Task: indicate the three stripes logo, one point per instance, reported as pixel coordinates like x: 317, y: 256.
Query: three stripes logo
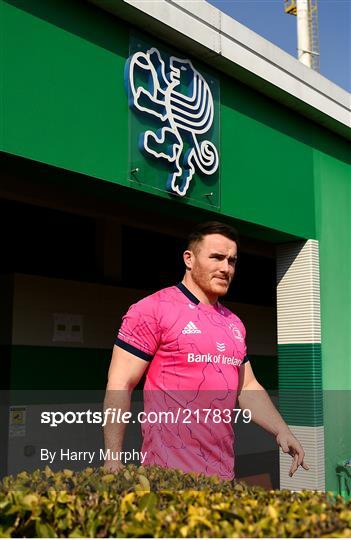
x: 220, y: 347
x: 191, y: 328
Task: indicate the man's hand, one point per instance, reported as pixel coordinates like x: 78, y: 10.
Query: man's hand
x: 113, y: 466
x: 253, y: 396
x: 290, y: 445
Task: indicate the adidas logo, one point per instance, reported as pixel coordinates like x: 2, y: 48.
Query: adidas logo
x: 220, y: 347
x: 191, y: 328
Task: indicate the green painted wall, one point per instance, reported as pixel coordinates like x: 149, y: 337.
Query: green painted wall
x: 61, y: 100
x: 333, y: 211
x: 64, y: 104
x: 267, y: 162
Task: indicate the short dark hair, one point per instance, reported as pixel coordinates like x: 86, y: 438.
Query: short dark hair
x: 211, y: 227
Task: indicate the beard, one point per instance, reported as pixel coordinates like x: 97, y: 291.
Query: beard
x: 209, y: 284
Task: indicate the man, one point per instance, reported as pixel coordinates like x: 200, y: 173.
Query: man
x: 194, y: 351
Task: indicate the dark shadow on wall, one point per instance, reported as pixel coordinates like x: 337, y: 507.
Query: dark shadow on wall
x: 30, y: 179
x: 82, y: 19
x: 259, y: 469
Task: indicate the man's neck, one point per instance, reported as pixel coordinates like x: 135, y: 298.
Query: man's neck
x: 201, y: 295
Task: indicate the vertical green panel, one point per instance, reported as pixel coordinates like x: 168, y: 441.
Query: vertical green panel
x: 300, y: 384
x: 63, y: 94
x: 300, y: 366
x: 333, y: 207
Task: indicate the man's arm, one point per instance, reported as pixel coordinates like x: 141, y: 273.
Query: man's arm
x: 124, y: 374
x: 254, y: 397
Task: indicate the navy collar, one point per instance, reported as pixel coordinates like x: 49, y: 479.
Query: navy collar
x: 187, y: 293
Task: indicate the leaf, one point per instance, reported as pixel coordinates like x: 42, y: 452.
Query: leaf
x: 76, y: 533
x: 44, y: 530
x: 184, y: 531
x: 48, y: 472
x: 144, y: 482
x: 148, y: 502
x: 139, y: 516
x: 228, y: 514
x: 108, y: 478
x: 272, y: 512
x: 30, y: 500
x: 127, y: 475
x: 63, y: 497
x: 127, y: 501
x: 23, y: 475
x: 5, y: 532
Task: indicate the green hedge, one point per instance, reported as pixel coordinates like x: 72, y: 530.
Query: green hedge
x: 155, y: 502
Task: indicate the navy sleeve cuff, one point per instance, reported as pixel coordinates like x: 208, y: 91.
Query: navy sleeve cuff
x: 133, y: 350
x: 246, y: 359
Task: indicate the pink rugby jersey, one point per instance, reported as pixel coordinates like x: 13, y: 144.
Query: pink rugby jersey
x: 194, y: 352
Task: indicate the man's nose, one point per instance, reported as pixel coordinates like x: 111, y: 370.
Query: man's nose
x: 225, y: 266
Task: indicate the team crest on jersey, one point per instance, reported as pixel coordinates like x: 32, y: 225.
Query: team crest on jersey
x: 236, y: 332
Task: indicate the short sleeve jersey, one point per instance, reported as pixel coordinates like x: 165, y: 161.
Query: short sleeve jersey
x: 195, y: 351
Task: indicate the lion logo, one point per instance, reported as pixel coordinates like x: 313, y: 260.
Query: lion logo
x: 179, y: 96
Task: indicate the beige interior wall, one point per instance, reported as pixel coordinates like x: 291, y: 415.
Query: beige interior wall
x: 36, y: 299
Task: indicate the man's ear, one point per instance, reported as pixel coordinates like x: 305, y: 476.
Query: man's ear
x: 188, y: 259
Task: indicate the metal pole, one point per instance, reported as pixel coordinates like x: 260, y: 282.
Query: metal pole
x: 304, y: 42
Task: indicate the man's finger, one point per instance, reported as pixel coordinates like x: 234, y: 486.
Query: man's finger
x: 113, y: 466
x: 301, y: 455
x: 305, y: 466
x: 285, y: 447
x: 294, y: 465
